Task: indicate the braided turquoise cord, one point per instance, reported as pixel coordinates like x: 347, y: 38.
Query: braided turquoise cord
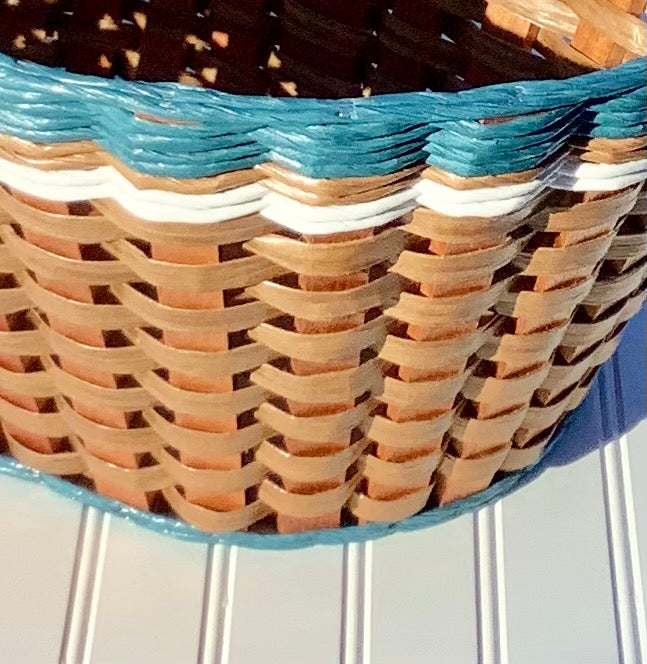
x: 218, y: 132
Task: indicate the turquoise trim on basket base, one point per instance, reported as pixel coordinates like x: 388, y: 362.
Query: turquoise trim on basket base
x: 168, y: 526
x: 573, y: 427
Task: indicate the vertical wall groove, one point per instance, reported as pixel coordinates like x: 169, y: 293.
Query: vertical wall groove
x: 621, y: 524
x: 78, y: 633
x: 356, y: 603
x: 217, y: 605
x: 490, y: 586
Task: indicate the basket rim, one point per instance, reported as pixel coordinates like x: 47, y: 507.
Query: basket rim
x: 325, y: 138
x: 490, y: 101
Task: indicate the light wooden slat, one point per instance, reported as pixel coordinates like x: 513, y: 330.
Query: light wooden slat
x: 150, y: 601
x: 37, y: 548
x: 423, y: 596
x: 287, y: 607
x: 558, y: 582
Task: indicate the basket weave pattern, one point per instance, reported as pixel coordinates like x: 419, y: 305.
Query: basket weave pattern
x: 324, y: 48
x: 241, y: 371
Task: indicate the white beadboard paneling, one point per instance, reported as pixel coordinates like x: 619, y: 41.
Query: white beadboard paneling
x: 558, y: 582
x: 37, y: 548
x: 423, y: 596
x: 414, y: 597
x: 635, y: 447
x: 621, y: 520
x: 150, y: 601
x: 287, y: 607
x: 490, y: 585
x: 356, y: 603
x: 85, y: 587
x: 215, y: 629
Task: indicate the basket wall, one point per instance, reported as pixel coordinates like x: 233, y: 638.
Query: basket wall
x: 241, y: 373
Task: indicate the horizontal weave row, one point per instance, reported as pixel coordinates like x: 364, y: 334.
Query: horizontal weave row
x: 309, y: 206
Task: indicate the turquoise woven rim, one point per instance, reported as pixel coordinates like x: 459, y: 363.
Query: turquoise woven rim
x: 215, y: 132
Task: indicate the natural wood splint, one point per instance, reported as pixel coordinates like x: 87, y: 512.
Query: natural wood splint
x: 244, y: 376
x: 591, y: 336
x: 594, y: 38
x: 318, y: 426
x: 454, y: 280
x: 83, y: 402
x: 207, y: 341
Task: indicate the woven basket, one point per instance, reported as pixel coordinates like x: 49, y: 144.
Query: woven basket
x: 272, y: 314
